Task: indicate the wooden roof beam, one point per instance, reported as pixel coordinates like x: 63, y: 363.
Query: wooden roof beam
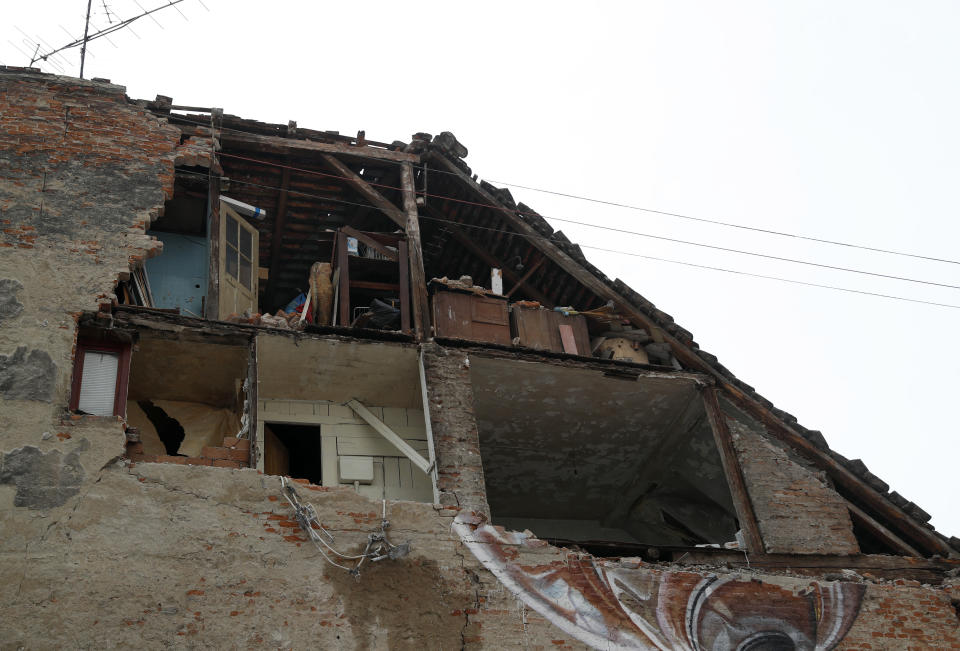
x: 278, y: 145
x: 367, y: 191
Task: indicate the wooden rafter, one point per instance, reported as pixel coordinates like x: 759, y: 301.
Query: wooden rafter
x: 880, y: 532
x: 277, y: 145
x: 734, y: 473
x: 366, y: 190
x: 418, y: 277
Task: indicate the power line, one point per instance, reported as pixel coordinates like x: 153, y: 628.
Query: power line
x: 723, y: 223
x: 584, y: 246
x: 653, y: 211
x: 616, y: 230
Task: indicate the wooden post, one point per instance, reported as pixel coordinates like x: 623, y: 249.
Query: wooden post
x: 276, y: 242
x: 212, y: 304
x: 418, y: 280
x: 733, y: 472
x: 343, y: 265
x: 404, y: 264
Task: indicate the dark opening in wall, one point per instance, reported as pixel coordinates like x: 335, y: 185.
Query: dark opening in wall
x: 293, y: 451
x: 616, y: 467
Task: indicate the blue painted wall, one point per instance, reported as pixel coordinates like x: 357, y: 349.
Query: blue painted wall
x: 178, y: 276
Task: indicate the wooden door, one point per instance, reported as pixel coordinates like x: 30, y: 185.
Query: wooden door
x: 239, y: 263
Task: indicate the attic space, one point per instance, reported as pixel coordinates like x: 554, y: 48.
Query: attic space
x: 186, y: 397
x: 324, y: 405
x: 613, y: 464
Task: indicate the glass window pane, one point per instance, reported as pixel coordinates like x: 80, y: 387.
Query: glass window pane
x: 98, y: 382
x: 231, y: 261
x: 246, y: 242
x: 232, y: 231
x: 245, y: 268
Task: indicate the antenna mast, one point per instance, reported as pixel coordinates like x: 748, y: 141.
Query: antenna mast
x: 83, y: 48
x: 87, y: 36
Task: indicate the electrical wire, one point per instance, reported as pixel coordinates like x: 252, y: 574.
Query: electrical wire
x: 616, y: 230
x: 636, y: 208
x: 584, y: 246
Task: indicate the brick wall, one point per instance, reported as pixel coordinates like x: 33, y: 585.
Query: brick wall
x: 797, y: 509
x: 455, y: 435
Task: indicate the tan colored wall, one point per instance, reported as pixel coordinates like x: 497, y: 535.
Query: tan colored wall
x: 98, y: 552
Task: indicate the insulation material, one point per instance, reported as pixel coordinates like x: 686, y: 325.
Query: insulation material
x: 203, y: 425
x: 321, y: 287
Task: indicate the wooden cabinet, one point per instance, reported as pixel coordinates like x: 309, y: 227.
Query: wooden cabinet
x: 542, y: 329
x: 463, y: 314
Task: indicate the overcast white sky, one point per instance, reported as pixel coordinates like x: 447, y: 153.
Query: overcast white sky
x: 836, y: 120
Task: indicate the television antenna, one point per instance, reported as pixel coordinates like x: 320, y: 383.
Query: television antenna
x: 106, y: 31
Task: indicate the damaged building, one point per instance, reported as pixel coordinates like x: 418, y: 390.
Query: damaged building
x: 263, y: 385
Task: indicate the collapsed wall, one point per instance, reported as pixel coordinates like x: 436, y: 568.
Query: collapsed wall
x: 97, y: 549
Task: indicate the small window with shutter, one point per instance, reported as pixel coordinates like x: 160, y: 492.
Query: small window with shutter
x: 100, y: 375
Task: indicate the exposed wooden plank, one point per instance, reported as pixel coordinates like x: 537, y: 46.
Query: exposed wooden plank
x: 930, y: 571
x: 566, y: 336
x: 390, y: 435
x: 212, y: 300
x: 343, y: 286
x: 843, y: 477
x: 275, y: 144
x: 404, y: 286
x: 418, y: 279
x: 879, y: 531
x: 369, y: 241
x: 366, y: 190
x: 369, y: 284
x: 733, y: 472
x: 276, y: 241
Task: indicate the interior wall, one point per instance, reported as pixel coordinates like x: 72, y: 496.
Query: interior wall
x: 586, y: 456
x: 187, y: 371
x: 375, y: 373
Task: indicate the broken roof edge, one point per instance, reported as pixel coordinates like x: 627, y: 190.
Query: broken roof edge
x: 445, y: 148
x: 852, y: 474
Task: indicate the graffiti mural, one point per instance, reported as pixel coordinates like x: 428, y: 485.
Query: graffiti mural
x: 613, y: 607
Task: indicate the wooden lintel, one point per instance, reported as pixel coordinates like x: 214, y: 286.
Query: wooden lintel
x: 277, y: 145
x: 418, y: 277
x: 881, y: 532
x: 734, y: 473
x: 844, y: 478
x: 366, y: 190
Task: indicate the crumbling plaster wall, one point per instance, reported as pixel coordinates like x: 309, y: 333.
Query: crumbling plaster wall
x: 95, y: 551
x: 82, y: 173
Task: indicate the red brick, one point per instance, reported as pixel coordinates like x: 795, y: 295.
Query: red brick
x: 227, y: 463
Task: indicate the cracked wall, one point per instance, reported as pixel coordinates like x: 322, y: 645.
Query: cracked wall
x: 94, y: 548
